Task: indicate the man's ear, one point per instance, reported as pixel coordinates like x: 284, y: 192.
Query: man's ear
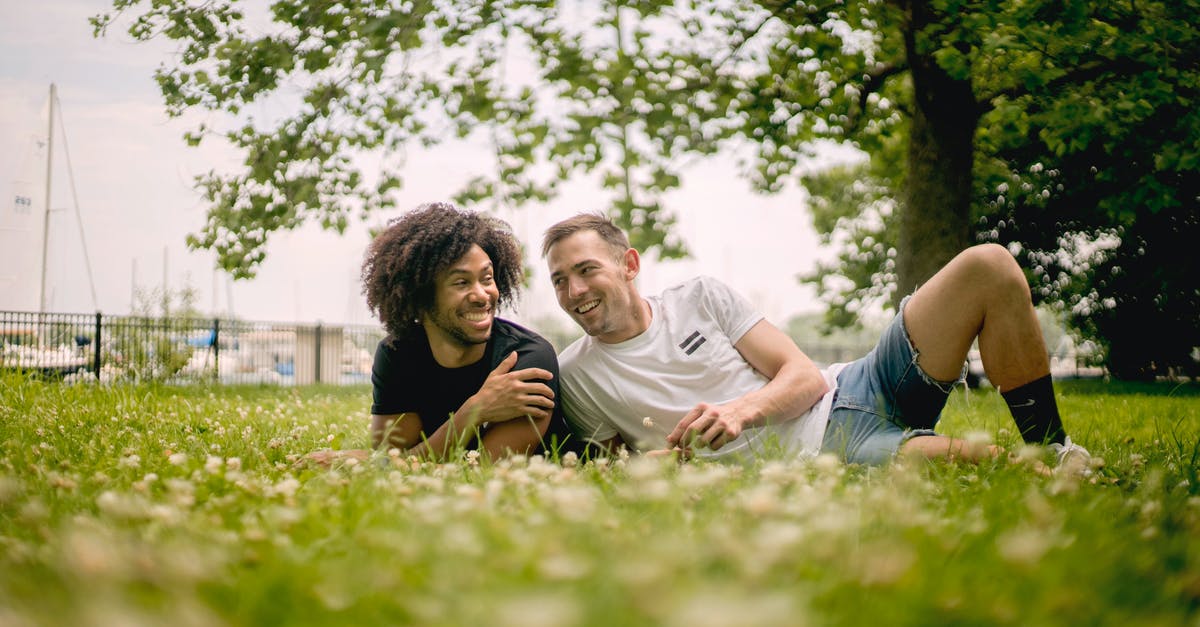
x: 633, y: 264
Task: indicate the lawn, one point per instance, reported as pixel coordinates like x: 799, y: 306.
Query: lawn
x: 181, y: 506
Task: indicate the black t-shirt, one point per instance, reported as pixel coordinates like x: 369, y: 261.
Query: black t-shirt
x: 406, y: 377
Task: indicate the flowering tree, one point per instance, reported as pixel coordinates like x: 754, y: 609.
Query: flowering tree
x: 950, y: 99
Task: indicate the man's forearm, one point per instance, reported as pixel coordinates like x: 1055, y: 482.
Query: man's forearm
x: 454, y: 434
x: 404, y: 432
x: 793, y: 391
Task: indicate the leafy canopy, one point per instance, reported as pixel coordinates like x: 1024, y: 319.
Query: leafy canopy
x: 1076, y: 117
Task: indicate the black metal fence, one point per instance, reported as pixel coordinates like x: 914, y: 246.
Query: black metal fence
x: 81, y: 346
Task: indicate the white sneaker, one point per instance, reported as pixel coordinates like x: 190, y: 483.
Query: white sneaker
x: 1072, y: 458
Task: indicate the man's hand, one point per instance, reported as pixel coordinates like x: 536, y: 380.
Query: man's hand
x: 708, y: 425
x: 508, y: 394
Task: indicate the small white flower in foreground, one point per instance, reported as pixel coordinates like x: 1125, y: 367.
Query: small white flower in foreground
x: 978, y: 442
x: 827, y: 463
x: 177, y: 459
x: 648, y: 422
x: 286, y: 488
x: 1024, y: 546
x: 978, y: 438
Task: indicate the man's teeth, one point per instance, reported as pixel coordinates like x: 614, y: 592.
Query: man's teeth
x: 479, y: 316
x: 586, y: 307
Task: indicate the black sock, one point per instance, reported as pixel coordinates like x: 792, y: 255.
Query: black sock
x: 1035, y: 411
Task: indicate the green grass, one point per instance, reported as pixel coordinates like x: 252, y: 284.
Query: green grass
x: 144, y: 505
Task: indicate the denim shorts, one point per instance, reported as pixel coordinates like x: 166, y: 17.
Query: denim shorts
x: 883, y: 400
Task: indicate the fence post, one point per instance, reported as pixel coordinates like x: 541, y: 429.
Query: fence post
x: 317, y: 351
x: 96, y: 344
x: 216, y: 348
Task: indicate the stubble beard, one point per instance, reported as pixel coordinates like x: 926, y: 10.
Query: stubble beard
x: 455, y: 332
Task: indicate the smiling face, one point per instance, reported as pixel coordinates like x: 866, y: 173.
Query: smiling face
x: 594, y: 285
x: 460, y: 323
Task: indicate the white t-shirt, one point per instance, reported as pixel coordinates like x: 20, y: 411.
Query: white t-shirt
x: 686, y: 357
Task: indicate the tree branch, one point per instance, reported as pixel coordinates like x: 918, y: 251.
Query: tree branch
x: 872, y: 84
x: 1119, y: 67
x: 751, y: 33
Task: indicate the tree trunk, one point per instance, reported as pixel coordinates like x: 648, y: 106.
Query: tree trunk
x: 934, y: 216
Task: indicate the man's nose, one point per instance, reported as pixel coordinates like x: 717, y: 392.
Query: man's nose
x: 479, y: 292
x: 575, y: 287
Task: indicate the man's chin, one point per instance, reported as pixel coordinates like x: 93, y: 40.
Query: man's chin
x: 591, y: 330
x: 475, y: 337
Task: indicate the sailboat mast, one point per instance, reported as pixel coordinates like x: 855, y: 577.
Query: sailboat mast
x: 46, y: 219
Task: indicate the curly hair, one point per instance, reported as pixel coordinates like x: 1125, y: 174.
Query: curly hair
x: 402, y: 263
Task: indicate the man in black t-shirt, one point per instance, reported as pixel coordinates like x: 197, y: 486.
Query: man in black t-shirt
x: 450, y: 375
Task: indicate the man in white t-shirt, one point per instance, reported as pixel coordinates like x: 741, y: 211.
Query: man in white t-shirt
x: 697, y: 370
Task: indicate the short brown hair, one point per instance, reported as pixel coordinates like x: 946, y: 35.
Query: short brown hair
x: 598, y: 222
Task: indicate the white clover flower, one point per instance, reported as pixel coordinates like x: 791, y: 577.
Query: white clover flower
x: 537, y: 610
x: 710, y: 608
x: 129, y: 461
x: 561, y: 567
x: 213, y: 464
x: 127, y: 506
x: 648, y: 422
x: 286, y: 488
x: 827, y: 463
x: 978, y: 438
x: 233, y: 463
x: 576, y: 503
x: 977, y: 442
x: 761, y: 500
x: 1024, y: 546
x: 9, y: 489
x: 570, y: 460
x: 646, y: 468
x: 177, y: 459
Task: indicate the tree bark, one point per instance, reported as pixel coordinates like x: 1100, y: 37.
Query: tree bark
x: 934, y: 217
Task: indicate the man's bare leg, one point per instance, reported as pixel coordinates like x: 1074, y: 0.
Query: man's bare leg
x: 983, y: 294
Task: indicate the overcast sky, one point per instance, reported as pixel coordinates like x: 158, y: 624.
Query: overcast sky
x: 133, y: 175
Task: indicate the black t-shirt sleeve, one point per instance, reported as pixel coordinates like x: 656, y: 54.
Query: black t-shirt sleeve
x: 389, y: 385
x: 534, y: 351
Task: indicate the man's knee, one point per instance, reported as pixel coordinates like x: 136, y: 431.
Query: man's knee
x: 995, y: 266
